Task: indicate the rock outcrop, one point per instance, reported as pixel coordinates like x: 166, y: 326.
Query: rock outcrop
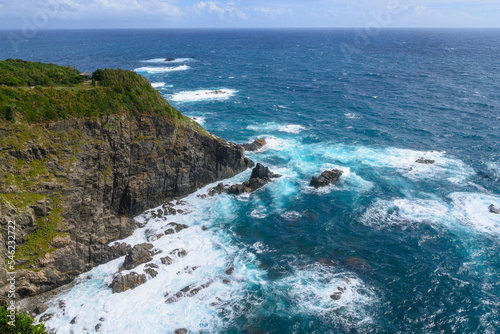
x: 123, y: 283
x: 326, y: 178
x: 138, y: 255
x: 494, y: 209
x: 260, y: 177
x: 72, y: 186
x: 255, y: 145
x: 425, y: 161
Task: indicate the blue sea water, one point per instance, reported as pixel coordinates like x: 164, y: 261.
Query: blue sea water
x: 415, y: 246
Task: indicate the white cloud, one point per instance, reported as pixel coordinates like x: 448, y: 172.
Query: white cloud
x: 227, y: 10
x: 274, y: 12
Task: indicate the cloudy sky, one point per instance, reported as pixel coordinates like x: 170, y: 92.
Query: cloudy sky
x: 23, y: 14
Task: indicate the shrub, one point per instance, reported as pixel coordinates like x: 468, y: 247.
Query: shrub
x: 22, y: 323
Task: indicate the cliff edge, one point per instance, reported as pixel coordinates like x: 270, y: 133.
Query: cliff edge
x: 71, y: 181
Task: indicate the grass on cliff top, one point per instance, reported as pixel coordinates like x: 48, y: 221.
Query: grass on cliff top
x: 60, y: 93
x: 21, y: 73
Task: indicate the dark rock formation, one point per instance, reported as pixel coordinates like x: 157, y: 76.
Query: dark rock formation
x: 326, y: 178
x: 169, y: 59
x: 260, y: 177
x: 425, y: 161
x: 181, y: 331
x: 138, y: 255
x: 255, y: 145
x: 494, y: 209
x: 90, y: 177
x: 123, y: 283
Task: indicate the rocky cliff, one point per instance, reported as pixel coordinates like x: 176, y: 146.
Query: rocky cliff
x: 72, y: 186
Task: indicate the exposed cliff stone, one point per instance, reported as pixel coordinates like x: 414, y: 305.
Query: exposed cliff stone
x: 123, y: 283
x: 138, y: 255
x: 72, y: 187
x: 260, y: 177
x: 255, y: 145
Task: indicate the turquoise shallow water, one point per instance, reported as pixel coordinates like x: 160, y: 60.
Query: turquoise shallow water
x: 415, y: 245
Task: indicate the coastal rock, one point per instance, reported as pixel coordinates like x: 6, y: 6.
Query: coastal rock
x: 95, y: 174
x: 326, y: 178
x: 219, y: 189
x: 260, y: 177
x: 169, y: 59
x: 123, y: 283
x: 188, y: 291
x: 172, y: 228
x: 255, y: 145
x: 181, y: 331
x: 494, y: 209
x: 425, y: 161
x: 138, y: 255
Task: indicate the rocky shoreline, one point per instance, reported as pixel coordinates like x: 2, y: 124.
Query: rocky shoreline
x: 92, y: 177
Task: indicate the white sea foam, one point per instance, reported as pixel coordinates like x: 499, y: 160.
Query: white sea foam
x: 351, y: 116
x: 310, y: 290
x: 405, y: 213
x: 273, y: 127
x: 158, y: 84
x: 471, y: 209
x: 203, y: 95
x: 404, y: 162
x: 162, y: 60
x: 152, y: 69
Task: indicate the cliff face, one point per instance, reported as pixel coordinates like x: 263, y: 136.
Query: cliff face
x: 72, y: 187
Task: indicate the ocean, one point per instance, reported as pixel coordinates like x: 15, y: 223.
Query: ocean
x: 393, y: 247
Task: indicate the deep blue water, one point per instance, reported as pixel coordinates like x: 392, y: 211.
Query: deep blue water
x: 417, y: 248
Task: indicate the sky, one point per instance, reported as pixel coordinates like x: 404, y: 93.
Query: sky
x: 97, y: 14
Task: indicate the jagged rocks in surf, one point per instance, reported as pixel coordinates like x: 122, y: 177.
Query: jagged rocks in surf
x: 425, y: 161
x: 138, y: 255
x: 219, y: 189
x: 261, y: 172
x: 172, y: 228
x: 255, y: 145
x: 169, y: 59
x: 123, y: 283
x: 326, y: 178
x: 260, y: 177
x: 188, y: 291
x: 494, y: 209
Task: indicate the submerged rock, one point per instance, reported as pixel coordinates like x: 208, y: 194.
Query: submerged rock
x: 425, y: 161
x: 327, y: 262
x: 169, y: 59
x: 326, y: 178
x: 255, y: 145
x: 355, y: 262
x: 181, y: 331
x: 139, y: 254
x: 123, y: 283
x: 494, y: 209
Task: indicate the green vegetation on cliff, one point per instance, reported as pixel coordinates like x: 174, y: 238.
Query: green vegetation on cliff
x: 21, y: 73
x: 36, y: 162
x: 60, y: 93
